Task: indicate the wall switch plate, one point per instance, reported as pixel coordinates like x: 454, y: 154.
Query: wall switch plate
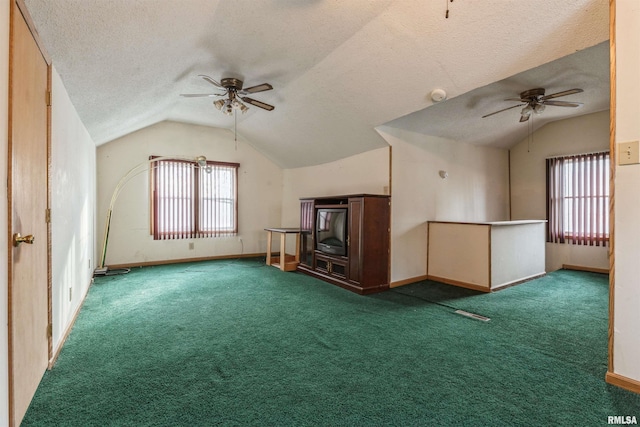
x: 629, y: 153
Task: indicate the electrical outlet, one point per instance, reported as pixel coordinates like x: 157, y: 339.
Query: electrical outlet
x: 628, y: 153
x: 191, y: 246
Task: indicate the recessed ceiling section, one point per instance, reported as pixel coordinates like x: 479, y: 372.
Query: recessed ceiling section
x: 460, y: 118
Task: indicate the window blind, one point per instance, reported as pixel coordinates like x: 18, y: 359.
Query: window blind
x: 578, y: 199
x: 191, y: 201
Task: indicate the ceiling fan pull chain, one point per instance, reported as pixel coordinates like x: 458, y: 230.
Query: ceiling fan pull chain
x: 530, y: 139
x: 447, y: 14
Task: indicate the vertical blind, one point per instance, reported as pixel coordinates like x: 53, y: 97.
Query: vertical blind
x: 191, y: 201
x: 578, y: 199
x: 218, y: 200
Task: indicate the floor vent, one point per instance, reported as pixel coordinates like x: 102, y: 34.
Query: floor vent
x: 472, y: 315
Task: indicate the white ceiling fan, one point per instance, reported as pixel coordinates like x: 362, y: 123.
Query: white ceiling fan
x: 232, y: 95
x: 535, y: 101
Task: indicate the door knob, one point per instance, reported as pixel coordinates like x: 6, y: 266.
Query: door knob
x: 17, y: 239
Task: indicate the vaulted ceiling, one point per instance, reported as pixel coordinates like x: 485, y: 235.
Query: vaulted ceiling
x: 338, y: 68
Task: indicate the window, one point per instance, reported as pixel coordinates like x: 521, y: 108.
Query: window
x: 189, y: 201
x: 578, y: 199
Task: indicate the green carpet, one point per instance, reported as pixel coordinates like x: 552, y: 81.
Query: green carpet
x: 236, y: 343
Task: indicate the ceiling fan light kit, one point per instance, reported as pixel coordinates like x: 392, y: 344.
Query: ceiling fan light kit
x: 535, y: 101
x: 539, y: 108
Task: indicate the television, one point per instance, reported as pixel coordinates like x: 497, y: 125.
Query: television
x: 331, y: 230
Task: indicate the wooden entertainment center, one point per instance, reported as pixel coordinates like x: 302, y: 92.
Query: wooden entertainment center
x: 364, y: 266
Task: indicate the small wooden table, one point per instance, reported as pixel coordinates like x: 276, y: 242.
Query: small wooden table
x: 284, y: 262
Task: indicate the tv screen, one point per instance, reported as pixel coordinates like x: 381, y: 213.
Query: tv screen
x: 331, y: 231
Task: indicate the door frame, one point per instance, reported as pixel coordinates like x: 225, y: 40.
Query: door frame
x: 18, y: 7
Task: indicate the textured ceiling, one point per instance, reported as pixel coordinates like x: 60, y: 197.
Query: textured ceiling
x: 460, y: 119
x: 338, y: 68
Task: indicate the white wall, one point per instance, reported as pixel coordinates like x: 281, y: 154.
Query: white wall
x: 470, y: 245
x: 73, y: 188
x: 626, y: 339
x: 259, y: 190
x: 4, y: 244
x: 363, y: 173
x: 476, y: 190
x: 583, y: 134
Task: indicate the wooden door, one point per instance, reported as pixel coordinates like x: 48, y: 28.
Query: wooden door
x: 28, y: 194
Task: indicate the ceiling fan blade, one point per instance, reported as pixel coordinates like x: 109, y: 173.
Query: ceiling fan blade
x: 257, y: 103
x: 559, y: 94
x: 504, y: 109
x: 198, y: 95
x: 524, y: 117
x: 562, y: 103
x: 213, y: 82
x: 517, y: 99
x: 258, y: 88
